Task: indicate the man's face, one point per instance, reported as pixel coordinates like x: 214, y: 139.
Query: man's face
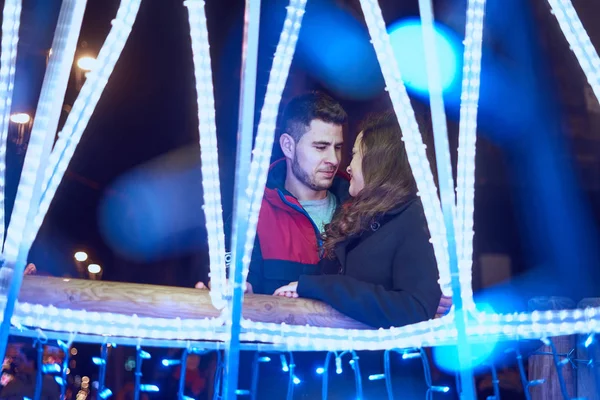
x: 318, y: 154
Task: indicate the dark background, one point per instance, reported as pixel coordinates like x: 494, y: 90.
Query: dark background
x: 136, y: 169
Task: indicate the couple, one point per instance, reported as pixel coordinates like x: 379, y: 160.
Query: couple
x: 368, y: 254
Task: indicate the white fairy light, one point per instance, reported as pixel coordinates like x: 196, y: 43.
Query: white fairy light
x: 266, y: 127
x: 466, y: 147
x: 43, y: 131
x: 411, y: 136
x: 36, y: 315
x: 11, y: 16
x: 465, y: 182
x: 580, y: 42
x: 70, y: 135
x: 438, y: 114
x: 208, y: 151
x: 446, y: 182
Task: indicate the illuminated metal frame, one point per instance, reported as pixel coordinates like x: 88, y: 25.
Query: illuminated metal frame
x: 214, y: 333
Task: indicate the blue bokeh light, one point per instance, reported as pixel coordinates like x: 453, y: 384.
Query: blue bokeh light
x: 334, y: 48
x: 406, y: 37
x: 482, y: 351
x: 154, y: 211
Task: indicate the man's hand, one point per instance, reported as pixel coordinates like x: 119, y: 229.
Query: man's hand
x: 201, y: 285
x: 290, y: 290
x: 30, y: 269
x: 444, y: 306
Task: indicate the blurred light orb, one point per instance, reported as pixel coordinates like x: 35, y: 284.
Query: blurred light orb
x: 158, y: 213
x: 446, y: 357
x: 335, y: 49
x: 20, y: 118
x: 81, y: 256
x: 406, y: 37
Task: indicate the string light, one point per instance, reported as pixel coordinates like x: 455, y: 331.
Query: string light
x: 588, y: 341
x: 114, y: 324
x: 465, y: 181
x: 284, y: 364
x: 51, y: 368
x: 307, y: 338
x: 208, y: 151
x: 580, y: 42
x: 149, y: 388
x: 338, y: 364
x: 410, y: 355
x: 105, y: 393
x: 11, y: 16
x: 169, y: 363
x: 440, y: 130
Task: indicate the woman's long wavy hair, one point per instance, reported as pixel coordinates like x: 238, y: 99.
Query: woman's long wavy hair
x: 388, y: 180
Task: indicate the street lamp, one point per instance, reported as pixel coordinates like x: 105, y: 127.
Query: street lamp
x: 94, y: 268
x: 81, y: 256
x: 86, y: 63
x: 95, y: 272
x: 23, y: 124
x: 20, y: 118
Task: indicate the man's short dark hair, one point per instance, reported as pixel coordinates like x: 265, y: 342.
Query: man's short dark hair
x: 303, y: 109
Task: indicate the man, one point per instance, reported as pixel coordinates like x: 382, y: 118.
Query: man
x: 302, y: 193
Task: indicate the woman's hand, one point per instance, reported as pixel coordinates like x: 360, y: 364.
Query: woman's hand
x: 289, y: 290
x: 444, y: 306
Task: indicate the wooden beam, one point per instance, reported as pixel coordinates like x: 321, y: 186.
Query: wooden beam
x: 170, y: 302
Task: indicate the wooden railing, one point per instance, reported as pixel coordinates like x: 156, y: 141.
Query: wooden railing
x: 171, y: 302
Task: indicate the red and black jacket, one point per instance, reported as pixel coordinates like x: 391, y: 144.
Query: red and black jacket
x: 288, y: 243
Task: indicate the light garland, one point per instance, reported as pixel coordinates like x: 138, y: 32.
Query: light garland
x: 261, y: 155
x: 580, y: 42
x: 11, y: 16
x: 114, y: 327
x: 437, y: 332
x: 411, y: 136
x: 446, y: 183
x: 70, y: 135
x: 235, y: 290
x: 208, y: 151
x: 466, y: 148
x: 115, y: 324
x: 438, y: 116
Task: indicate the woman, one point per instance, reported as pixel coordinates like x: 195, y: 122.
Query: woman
x: 379, y: 267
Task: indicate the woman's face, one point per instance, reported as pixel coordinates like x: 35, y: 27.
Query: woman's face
x: 357, y: 181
